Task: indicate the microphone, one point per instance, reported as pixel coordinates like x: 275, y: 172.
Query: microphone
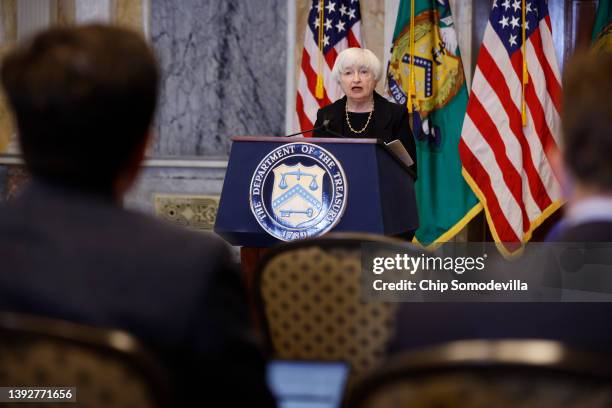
x: 323, y: 126
x: 328, y: 130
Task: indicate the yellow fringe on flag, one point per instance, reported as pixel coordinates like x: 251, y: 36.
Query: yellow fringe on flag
x: 451, y: 232
x: 547, y: 212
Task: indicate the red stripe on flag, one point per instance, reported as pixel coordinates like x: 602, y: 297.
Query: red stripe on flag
x: 548, y: 23
x: 552, y: 86
x: 537, y: 113
x: 330, y: 57
x: 491, y: 72
x: 311, y: 79
x: 482, y: 179
x: 352, y: 40
x: 488, y: 130
x: 305, y: 123
x: 535, y: 107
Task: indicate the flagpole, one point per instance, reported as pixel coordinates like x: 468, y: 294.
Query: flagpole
x: 411, y: 84
x: 525, y: 73
x: 319, y: 88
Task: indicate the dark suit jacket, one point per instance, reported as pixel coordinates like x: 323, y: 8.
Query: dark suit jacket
x: 77, y: 256
x: 389, y: 122
x: 582, y: 325
x: 593, y: 231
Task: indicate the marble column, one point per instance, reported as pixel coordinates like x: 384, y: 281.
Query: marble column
x: 223, y: 73
x: 223, y: 67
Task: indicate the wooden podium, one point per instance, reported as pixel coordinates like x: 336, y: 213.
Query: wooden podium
x: 380, y: 190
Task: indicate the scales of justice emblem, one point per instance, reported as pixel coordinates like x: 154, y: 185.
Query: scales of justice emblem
x: 298, y: 190
x: 297, y: 196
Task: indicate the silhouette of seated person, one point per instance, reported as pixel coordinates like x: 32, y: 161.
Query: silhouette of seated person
x: 84, y: 100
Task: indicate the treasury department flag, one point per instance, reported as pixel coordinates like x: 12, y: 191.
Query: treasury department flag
x: 425, y: 58
x: 333, y: 26
x: 512, y: 126
x: 602, y: 31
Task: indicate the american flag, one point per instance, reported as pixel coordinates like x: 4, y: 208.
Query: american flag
x: 341, y: 30
x: 508, y: 164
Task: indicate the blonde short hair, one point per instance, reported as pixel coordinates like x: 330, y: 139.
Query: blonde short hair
x: 361, y: 57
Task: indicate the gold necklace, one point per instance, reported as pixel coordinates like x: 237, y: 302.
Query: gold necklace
x: 348, y: 122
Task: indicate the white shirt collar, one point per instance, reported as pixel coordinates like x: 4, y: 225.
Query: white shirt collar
x: 592, y: 209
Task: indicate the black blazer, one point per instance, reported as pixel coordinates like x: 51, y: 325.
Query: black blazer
x: 593, y: 231
x: 389, y: 122
x: 80, y: 257
x: 581, y: 325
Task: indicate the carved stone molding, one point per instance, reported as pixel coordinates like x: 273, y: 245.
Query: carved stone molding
x: 191, y: 211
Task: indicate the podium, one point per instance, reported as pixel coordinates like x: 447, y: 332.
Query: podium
x: 379, y: 188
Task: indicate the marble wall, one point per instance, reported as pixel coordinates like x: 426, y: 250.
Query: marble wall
x: 223, y: 73
x: 169, y: 183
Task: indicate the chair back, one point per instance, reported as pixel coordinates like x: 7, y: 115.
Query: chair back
x: 309, y: 299
x: 107, y: 367
x: 500, y: 373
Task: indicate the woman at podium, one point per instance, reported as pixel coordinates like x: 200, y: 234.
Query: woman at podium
x: 363, y: 113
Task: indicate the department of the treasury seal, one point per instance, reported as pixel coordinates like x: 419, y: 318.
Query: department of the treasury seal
x: 297, y: 191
